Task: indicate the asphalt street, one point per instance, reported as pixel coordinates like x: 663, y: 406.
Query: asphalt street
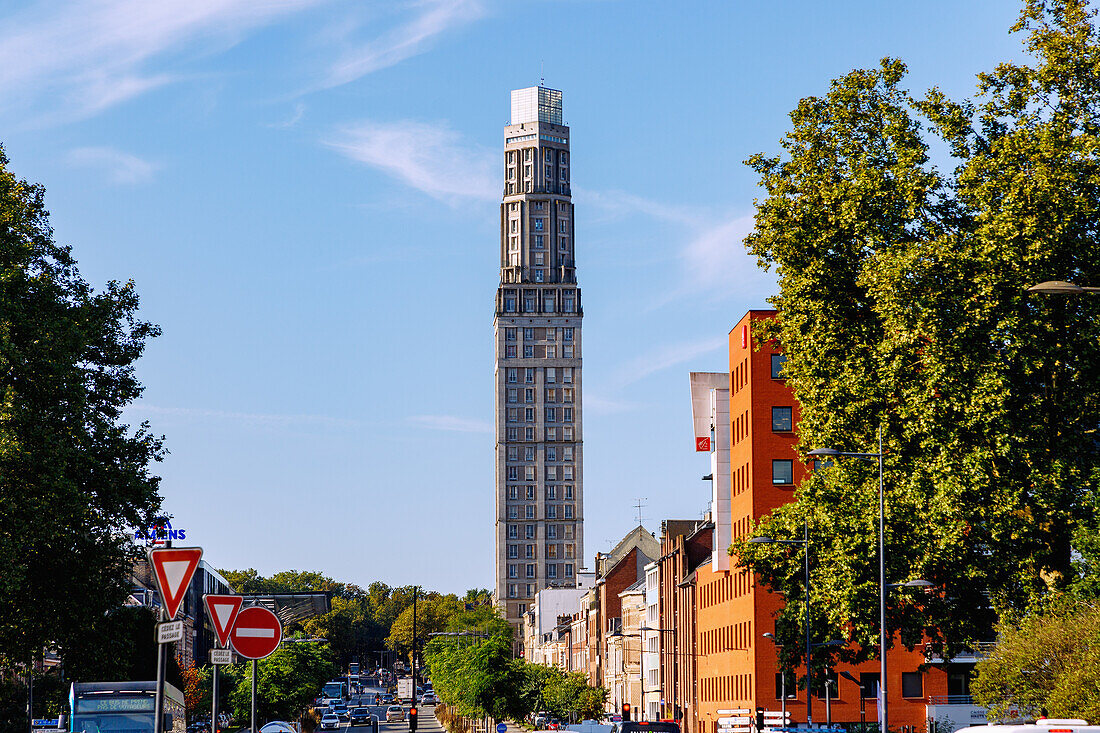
x: 426, y: 717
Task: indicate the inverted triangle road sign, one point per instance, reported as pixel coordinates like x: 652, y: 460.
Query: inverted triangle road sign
x: 223, y: 614
x: 173, y: 568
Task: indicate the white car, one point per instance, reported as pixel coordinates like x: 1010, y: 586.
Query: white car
x: 395, y: 713
x: 330, y: 721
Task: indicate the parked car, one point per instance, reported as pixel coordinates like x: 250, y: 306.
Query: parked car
x: 329, y: 720
x: 360, y: 715
x: 395, y: 713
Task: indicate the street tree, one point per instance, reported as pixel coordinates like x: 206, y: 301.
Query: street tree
x: 903, y: 305
x: 1046, y: 660
x: 75, y: 479
x: 286, y: 683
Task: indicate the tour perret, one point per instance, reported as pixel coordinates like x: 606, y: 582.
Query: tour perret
x: 537, y: 329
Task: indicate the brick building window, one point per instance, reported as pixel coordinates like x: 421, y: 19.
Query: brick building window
x: 777, y: 365
x: 783, y: 471
x: 782, y: 419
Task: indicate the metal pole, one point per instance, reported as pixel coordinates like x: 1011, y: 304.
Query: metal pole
x: 158, y: 705
x: 214, y: 701
x: 783, y: 695
x: 252, y: 720
x: 828, y: 701
x: 415, y: 589
x: 883, y: 718
x: 809, y: 673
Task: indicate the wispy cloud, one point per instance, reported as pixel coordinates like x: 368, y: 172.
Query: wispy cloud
x: 430, y: 18
x: 451, y: 423
x: 431, y: 158
x: 82, y: 57
x: 665, y: 357
x: 293, y: 120
x: 251, y: 418
x: 119, y: 167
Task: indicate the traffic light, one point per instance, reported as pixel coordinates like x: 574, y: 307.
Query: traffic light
x: 626, y: 711
x: 760, y: 719
x: 412, y: 718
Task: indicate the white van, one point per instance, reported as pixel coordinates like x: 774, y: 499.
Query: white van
x: 1043, y: 725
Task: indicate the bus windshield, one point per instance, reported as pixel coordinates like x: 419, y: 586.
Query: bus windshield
x: 122, y: 707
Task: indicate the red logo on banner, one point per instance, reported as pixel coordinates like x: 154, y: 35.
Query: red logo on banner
x: 702, y: 445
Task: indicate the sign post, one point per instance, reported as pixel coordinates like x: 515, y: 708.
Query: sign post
x: 173, y: 568
x: 255, y: 635
x: 223, y: 612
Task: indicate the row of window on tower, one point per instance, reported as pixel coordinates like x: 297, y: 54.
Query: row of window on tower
x: 539, y: 334
x: 530, y: 414
x: 532, y: 351
x: 554, y: 551
x: 530, y: 530
x: 553, y: 532
x: 550, y: 374
x: 552, y: 512
x: 530, y: 301
x: 551, y: 453
x: 551, y: 571
x: 527, y: 473
x: 550, y: 434
x: 552, y: 492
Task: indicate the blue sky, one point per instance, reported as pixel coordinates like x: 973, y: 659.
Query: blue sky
x: 306, y: 193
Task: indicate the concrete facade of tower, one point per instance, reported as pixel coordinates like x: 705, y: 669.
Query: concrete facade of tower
x: 539, y: 502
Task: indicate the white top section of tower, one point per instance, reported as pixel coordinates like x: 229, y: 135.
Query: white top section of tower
x: 536, y: 104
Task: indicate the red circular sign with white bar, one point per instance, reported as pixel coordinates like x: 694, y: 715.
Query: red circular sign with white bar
x: 257, y: 633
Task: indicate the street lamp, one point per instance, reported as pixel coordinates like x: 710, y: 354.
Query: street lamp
x: 618, y: 634
x: 782, y: 683
x: 805, y: 542
x: 1061, y: 287
x: 834, y: 453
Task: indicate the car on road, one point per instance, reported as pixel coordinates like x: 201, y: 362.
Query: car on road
x: 395, y: 713
x: 360, y: 715
x: 342, y: 711
x: 429, y: 699
x: 330, y: 721
x: 388, y: 698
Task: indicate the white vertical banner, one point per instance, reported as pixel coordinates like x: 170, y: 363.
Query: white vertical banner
x: 879, y: 695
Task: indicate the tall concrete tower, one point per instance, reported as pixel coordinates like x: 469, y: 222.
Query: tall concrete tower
x: 539, y: 455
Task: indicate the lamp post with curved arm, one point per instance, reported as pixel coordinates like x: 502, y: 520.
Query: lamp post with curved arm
x: 805, y: 542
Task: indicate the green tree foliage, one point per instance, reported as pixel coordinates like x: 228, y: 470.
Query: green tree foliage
x: 433, y: 611
x: 74, y: 479
x: 902, y: 304
x: 287, y: 682
x: 480, y: 678
x: 1046, y: 660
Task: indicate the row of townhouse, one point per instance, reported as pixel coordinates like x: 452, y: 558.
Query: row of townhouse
x: 676, y: 629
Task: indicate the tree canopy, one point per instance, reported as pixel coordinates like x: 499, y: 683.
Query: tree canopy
x: 1046, y: 660
x: 74, y: 477
x: 902, y: 304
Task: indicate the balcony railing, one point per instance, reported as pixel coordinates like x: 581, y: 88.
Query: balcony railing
x: 950, y: 700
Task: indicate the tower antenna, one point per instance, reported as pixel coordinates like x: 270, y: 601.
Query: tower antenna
x: 638, y: 506
x: 542, y: 73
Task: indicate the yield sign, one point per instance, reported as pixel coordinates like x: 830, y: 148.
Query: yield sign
x: 223, y: 612
x: 173, y: 568
x: 257, y: 633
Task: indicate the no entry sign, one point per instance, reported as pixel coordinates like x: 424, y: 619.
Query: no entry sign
x: 257, y: 633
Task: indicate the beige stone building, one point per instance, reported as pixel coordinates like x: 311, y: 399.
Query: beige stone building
x: 623, y: 671
x: 539, y: 504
